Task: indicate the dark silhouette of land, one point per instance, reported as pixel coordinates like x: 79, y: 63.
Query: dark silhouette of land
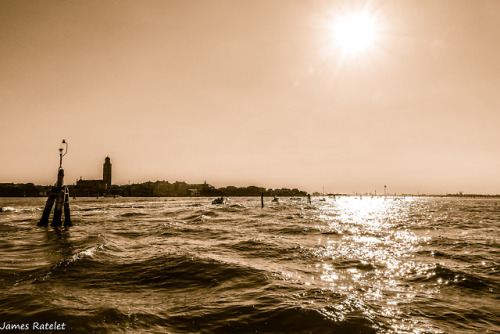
x: 104, y: 187
x: 146, y: 189
x: 178, y: 189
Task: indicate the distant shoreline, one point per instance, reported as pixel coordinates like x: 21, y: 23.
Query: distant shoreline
x: 183, y: 189
x: 305, y: 196
x: 146, y: 189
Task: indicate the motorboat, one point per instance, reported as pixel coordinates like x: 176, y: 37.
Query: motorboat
x: 219, y: 200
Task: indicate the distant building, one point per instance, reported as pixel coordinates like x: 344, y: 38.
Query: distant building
x: 163, y: 188
x: 194, y: 192
x: 106, y: 172
x: 96, y: 187
x: 94, y: 184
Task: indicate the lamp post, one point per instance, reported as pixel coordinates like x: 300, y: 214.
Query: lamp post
x: 64, y: 145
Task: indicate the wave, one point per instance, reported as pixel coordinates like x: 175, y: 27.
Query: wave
x: 443, y: 275
x: 9, y: 209
x: 188, y: 272
x: 237, y: 207
x: 172, y: 272
x: 256, y: 247
x: 133, y: 214
x: 277, y: 319
x: 85, y: 209
x: 456, y: 255
x: 79, y: 260
x: 201, y: 216
x: 299, y: 229
x: 255, y: 318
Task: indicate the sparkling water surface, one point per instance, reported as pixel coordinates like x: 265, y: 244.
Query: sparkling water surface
x: 183, y: 265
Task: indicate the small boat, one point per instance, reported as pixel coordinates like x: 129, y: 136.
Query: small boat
x: 219, y: 200
x: 275, y: 200
x: 296, y: 198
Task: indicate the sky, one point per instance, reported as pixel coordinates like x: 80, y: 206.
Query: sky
x: 253, y: 92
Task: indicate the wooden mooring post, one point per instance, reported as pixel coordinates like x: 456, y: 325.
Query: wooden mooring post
x: 60, y: 195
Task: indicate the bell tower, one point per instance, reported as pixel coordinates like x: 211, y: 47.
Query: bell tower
x: 106, y: 172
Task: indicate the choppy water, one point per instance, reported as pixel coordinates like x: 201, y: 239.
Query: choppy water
x: 183, y: 265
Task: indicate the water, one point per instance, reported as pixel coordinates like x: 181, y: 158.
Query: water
x: 183, y: 265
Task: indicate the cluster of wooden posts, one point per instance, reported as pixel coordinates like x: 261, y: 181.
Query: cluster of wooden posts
x: 60, y: 195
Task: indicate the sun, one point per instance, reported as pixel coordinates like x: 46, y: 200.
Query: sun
x: 355, y: 33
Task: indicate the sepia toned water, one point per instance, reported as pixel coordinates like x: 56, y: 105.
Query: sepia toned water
x: 183, y: 265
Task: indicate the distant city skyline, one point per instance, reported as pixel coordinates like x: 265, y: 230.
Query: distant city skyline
x: 266, y: 93
x: 107, y: 175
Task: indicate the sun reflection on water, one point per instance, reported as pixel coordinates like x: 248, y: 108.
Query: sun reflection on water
x: 367, y: 252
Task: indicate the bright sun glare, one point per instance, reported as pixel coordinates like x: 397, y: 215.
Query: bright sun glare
x: 355, y: 33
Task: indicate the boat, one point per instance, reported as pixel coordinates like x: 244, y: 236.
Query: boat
x: 219, y: 200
